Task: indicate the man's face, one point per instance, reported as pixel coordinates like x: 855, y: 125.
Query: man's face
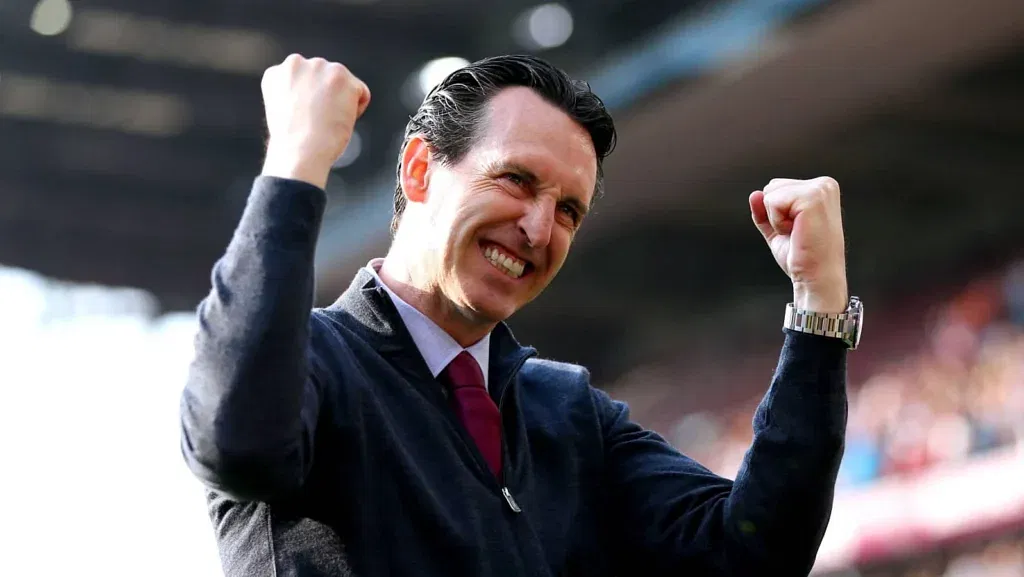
x: 503, y: 218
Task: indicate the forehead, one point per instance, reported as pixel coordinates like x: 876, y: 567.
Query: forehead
x: 524, y: 128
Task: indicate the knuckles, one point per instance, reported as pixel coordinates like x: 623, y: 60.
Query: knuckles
x: 823, y: 189
x: 332, y: 73
x: 338, y: 75
x: 827, y: 186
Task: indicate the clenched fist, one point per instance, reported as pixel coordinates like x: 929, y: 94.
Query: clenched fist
x: 311, y: 106
x: 802, y: 222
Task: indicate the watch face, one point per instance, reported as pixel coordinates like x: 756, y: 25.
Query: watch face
x: 857, y: 309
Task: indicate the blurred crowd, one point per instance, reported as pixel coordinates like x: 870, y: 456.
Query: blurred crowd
x: 1000, y: 558
x: 961, y: 394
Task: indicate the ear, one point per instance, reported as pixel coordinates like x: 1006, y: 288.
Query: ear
x: 415, y: 169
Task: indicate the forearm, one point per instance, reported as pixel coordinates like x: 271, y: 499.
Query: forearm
x: 782, y: 498
x: 246, y: 405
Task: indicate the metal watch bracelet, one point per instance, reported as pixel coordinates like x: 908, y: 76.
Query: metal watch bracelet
x: 845, y: 326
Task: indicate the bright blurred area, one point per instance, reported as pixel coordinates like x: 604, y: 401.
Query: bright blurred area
x: 132, y: 130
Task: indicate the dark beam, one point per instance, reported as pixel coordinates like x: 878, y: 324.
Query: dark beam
x: 178, y: 276
x: 191, y: 162
x: 130, y: 214
x: 997, y: 113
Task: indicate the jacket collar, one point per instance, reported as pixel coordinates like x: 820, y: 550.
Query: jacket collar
x: 366, y: 308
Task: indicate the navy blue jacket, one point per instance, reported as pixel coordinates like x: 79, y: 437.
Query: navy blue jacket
x: 329, y: 449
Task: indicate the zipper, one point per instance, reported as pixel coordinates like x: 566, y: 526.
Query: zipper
x: 505, y: 458
x: 499, y: 484
x: 510, y: 500
x: 441, y: 399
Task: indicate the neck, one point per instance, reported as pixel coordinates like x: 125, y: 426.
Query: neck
x: 413, y: 286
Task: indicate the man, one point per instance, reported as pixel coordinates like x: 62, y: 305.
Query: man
x: 404, y: 431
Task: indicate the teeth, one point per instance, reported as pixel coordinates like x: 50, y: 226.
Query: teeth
x: 507, y: 264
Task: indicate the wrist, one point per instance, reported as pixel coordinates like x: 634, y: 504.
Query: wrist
x: 293, y: 165
x: 830, y: 298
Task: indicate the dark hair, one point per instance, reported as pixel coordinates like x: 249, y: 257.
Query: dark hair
x: 450, y: 117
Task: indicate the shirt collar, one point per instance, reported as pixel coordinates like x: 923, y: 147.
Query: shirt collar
x: 436, y: 346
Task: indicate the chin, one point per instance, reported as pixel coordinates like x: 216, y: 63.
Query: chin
x: 489, y: 305
x: 492, y: 308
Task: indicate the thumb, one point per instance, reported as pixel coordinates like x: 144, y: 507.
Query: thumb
x: 759, y: 214
x: 781, y: 207
x: 363, y: 98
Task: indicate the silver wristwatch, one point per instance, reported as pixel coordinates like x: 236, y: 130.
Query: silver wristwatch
x: 846, y: 326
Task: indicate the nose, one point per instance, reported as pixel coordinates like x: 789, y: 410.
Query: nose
x: 536, y: 224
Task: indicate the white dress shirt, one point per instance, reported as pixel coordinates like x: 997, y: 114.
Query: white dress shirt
x: 436, y: 346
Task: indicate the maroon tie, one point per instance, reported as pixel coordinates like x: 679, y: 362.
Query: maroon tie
x: 475, y: 408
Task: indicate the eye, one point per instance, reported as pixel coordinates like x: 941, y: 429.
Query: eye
x: 571, y: 212
x: 514, y: 178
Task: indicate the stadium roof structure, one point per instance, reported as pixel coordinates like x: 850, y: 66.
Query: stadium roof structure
x: 132, y: 132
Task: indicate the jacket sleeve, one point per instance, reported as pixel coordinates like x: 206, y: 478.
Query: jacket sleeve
x: 250, y: 404
x: 675, y: 516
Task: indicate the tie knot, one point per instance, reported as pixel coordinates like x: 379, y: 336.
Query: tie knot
x: 464, y: 371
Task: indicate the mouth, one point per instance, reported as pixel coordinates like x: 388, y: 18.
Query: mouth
x: 506, y: 262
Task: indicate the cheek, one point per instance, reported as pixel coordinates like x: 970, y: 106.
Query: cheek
x: 561, y: 241
x: 485, y: 206
x: 463, y: 214
x: 559, y: 261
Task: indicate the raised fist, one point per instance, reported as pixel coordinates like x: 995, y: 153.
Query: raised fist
x: 802, y: 221
x: 311, y: 106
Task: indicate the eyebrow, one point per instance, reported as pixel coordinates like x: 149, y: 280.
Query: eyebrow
x: 504, y: 166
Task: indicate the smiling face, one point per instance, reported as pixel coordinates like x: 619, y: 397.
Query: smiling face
x: 493, y: 230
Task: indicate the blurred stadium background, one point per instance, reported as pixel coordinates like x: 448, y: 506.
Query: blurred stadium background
x: 132, y: 130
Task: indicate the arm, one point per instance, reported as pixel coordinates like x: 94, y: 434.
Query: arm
x: 676, y: 515
x: 250, y: 406
x: 772, y: 518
